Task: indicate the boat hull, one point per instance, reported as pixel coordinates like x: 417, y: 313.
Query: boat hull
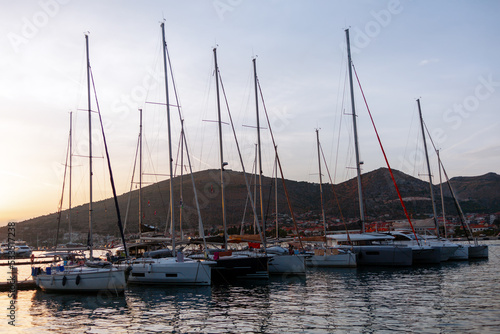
x: 83, y: 280
x: 341, y: 260
x: 478, y: 252
x: 287, y: 264
x: 170, y: 272
x: 229, y: 268
x: 461, y: 254
x: 392, y: 256
x: 426, y: 255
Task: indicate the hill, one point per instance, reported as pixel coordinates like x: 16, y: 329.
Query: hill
x: 476, y: 194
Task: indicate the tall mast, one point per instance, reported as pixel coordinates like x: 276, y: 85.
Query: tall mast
x: 442, y: 197
x: 90, y: 144
x: 356, y: 145
x: 259, y: 155
x: 70, y: 165
x: 220, y: 150
x: 181, y: 186
x: 140, y: 172
x: 276, y: 190
x: 320, y: 185
x: 428, y: 170
x: 169, y: 138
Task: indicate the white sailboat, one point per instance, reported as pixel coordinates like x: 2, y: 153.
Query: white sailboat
x: 329, y: 257
x: 280, y: 260
x: 169, y: 270
x: 89, y: 276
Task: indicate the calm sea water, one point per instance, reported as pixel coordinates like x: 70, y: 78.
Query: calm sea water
x: 456, y: 297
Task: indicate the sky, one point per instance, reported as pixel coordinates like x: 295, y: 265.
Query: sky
x: 443, y: 52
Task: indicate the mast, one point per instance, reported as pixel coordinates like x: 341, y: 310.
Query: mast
x: 276, y: 190
x: 356, y: 145
x: 428, y: 169
x: 70, y: 160
x: 90, y: 144
x: 181, y: 181
x: 169, y: 138
x: 320, y: 186
x: 442, y: 197
x: 259, y: 155
x: 140, y: 173
x: 222, y: 164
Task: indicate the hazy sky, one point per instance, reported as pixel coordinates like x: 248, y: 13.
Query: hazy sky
x: 444, y: 52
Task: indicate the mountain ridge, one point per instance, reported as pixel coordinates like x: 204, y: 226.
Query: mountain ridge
x: 476, y: 194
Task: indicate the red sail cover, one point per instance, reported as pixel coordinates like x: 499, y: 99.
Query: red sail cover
x: 255, y: 245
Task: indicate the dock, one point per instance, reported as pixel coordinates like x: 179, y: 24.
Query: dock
x: 23, y: 285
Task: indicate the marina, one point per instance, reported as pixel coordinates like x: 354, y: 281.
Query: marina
x: 234, y: 167
x: 452, y: 297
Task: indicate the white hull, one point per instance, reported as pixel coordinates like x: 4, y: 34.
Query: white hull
x: 341, y: 260
x: 287, y: 264
x: 171, y: 272
x: 462, y: 253
x: 83, y: 279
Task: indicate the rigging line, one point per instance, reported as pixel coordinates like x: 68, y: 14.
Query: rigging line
x: 409, y: 132
x: 131, y: 186
x: 262, y: 239
x: 178, y: 105
x: 184, y: 141
x: 246, y: 201
x: 335, y: 196
x: 340, y: 114
x: 385, y: 156
x: 269, y: 195
x: 120, y: 226
x: 280, y: 168
x: 59, y: 210
x: 461, y: 215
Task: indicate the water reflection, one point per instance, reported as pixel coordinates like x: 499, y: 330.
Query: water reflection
x: 451, y: 297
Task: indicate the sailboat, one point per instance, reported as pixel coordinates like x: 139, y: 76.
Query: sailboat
x: 233, y: 265
x: 447, y: 248
x: 280, y: 261
x: 91, y: 275
x: 470, y: 250
x: 176, y: 270
x: 329, y: 257
x: 371, y: 248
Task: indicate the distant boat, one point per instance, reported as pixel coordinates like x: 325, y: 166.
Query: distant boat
x: 449, y: 250
x: 22, y: 250
x: 329, y: 257
x: 89, y: 275
x: 280, y: 259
